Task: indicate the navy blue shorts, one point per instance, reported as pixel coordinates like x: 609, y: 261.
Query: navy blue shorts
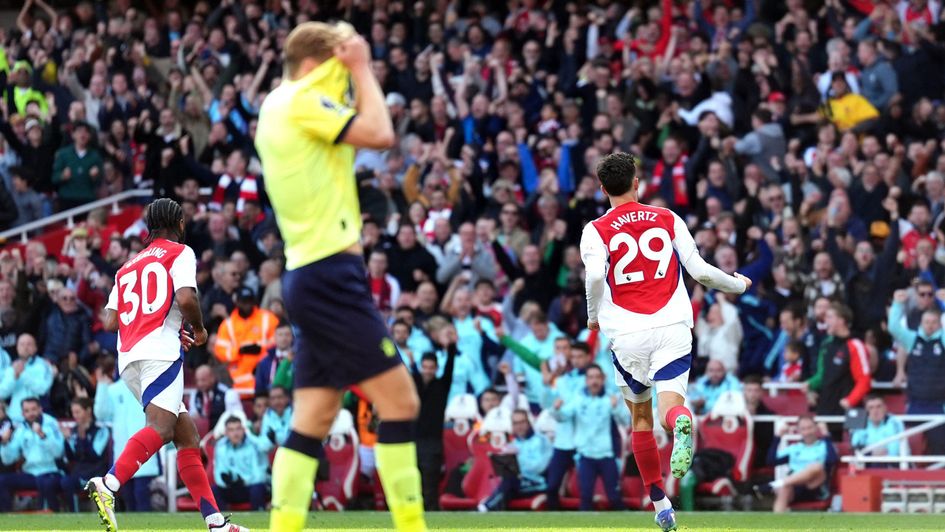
x: 341, y: 337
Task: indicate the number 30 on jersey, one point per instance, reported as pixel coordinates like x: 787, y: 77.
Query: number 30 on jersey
x: 139, y: 296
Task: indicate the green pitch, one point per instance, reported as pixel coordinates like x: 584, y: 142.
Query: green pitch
x: 509, y: 522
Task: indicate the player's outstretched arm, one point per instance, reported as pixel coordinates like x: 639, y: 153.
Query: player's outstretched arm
x: 700, y: 270
x: 371, y: 127
x: 594, y: 255
x: 189, y: 305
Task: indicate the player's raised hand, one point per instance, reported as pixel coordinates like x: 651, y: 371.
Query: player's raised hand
x: 354, y: 53
x: 186, y: 338
x: 743, y: 278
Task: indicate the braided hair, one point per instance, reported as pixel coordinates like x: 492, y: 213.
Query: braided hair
x: 164, y: 214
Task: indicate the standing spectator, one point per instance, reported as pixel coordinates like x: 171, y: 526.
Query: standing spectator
x: 239, y: 468
x: 410, y: 263
x: 278, y: 354
x: 592, y: 413
x: 86, y: 447
x: 37, y: 441
x: 880, y: 424
x: 709, y: 387
x: 211, y: 398
x: 276, y: 421
x: 720, y: 334
x: 764, y: 432
x: 385, y: 289
x: 29, y: 203
x: 532, y: 452
x: 29, y: 376
x: 920, y: 364
x: 77, y: 169
x: 67, y: 330
x: 115, y: 404
x: 540, y: 342
x: 568, y: 387
x: 810, y: 462
x: 849, y: 111
x: 878, y: 80
x: 764, y: 143
x: 843, y: 377
x: 243, y: 337
x: 433, y: 392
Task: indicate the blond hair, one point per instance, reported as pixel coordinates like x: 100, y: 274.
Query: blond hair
x: 315, y: 40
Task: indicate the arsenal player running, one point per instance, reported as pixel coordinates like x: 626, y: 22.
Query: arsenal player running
x: 155, y: 294
x: 634, y: 257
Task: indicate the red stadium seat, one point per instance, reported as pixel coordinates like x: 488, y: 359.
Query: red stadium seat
x: 341, y: 453
x: 789, y: 403
x: 896, y: 403
x: 479, y: 482
x: 458, y: 436
x: 734, y: 434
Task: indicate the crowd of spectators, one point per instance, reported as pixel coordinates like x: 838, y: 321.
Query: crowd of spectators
x: 802, y: 142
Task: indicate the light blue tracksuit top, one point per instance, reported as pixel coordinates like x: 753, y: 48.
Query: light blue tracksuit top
x: 591, y: 416
x: 246, y: 461
x: 35, y: 381
x: 115, y: 403
x: 39, y: 454
x: 568, y: 387
x: 534, y: 453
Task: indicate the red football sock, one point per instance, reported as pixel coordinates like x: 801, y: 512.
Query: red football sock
x: 674, y: 412
x: 190, y: 470
x: 140, y: 447
x: 647, y: 457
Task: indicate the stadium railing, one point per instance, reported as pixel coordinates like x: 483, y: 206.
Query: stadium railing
x: 774, y: 387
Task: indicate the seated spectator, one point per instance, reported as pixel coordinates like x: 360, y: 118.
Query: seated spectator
x: 880, y: 424
x: 277, y: 355
x: 792, y: 367
x: 532, y: 452
x: 115, y: 404
x: 810, y: 462
x: 243, y: 337
x: 67, y: 331
x: 211, y: 398
x: 28, y: 376
x: 277, y: 421
x: 240, y: 468
x: 592, y: 413
x: 37, y: 441
x: 707, y: 388
x: 86, y: 449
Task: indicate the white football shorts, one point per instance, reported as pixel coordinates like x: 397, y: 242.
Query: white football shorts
x: 659, y: 357
x: 157, y: 382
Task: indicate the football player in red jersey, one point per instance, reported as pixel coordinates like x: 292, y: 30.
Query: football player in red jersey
x: 634, y: 256
x: 156, y: 311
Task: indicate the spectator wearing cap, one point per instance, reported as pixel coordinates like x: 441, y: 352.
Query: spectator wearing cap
x: 878, y: 79
x: 849, y: 111
x: 36, y: 147
x: 244, y: 337
x: 18, y: 95
x: 77, y: 169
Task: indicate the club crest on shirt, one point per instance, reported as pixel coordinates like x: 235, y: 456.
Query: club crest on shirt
x: 330, y: 105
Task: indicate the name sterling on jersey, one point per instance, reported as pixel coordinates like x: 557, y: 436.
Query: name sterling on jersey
x: 633, y: 216
x: 150, y: 252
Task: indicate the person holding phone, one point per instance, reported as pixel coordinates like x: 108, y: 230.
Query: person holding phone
x: 244, y: 337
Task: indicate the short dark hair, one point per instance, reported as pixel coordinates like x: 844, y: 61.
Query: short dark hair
x: 232, y: 419
x: 581, y: 346
x: 843, y: 312
x: 429, y: 356
x: 399, y: 322
x: 31, y: 400
x: 84, y: 402
x: 763, y: 114
x: 283, y: 388
x: 485, y: 281
x: 594, y: 365
x: 797, y: 346
x: 616, y: 172
x: 752, y: 379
